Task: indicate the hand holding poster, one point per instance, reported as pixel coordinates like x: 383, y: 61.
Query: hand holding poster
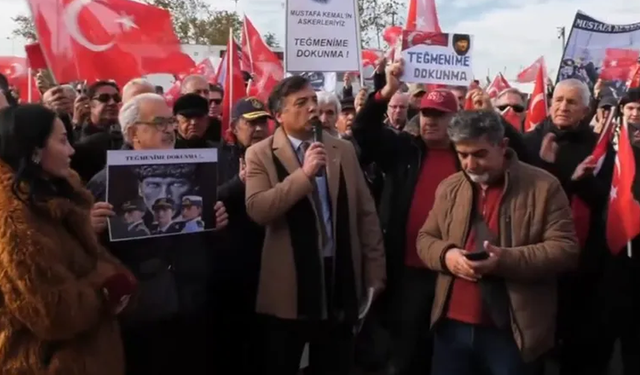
x: 437, y: 58
x: 161, y: 192
x: 322, y: 35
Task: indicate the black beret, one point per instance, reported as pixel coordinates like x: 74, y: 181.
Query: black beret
x: 191, y: 105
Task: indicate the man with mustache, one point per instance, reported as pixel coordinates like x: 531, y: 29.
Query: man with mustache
x: 322, y: 259
x: 170, y: 330
x: 413, y: 166
x: 499, y: 234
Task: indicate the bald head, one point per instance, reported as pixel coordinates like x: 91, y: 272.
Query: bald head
x: 195, y: 84
x: 397, y: 110
x: 136, y: 87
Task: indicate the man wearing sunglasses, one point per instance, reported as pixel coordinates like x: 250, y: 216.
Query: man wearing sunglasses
x: 215, y: 101
x: 100, y: 132
x: 511, y: 98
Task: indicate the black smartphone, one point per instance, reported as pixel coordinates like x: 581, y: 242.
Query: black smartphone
x: 477, y: 255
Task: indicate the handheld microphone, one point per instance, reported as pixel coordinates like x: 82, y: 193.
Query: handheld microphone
x: 317, y: 137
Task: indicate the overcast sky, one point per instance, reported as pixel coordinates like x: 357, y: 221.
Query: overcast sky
x: 509, y: 34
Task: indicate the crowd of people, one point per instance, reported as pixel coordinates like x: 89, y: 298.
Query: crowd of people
x: 418, y: 237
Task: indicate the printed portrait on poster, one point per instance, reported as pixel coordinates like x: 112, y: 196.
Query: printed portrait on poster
x: 161, y: 193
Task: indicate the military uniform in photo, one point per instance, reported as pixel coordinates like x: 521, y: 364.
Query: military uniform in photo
x: 195, y: 224
x: 137, y: 229
x: 171, y: 228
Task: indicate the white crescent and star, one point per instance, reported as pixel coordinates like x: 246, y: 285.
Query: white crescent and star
x: 411, y: 37
x: 70, y: 18
x: 538, y: 98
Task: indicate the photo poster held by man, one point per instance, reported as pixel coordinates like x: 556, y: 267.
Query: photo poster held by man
x: 161, y: 192
x: 597, y: 50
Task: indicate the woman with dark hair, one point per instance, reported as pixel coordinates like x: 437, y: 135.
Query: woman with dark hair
x: 60, y: 291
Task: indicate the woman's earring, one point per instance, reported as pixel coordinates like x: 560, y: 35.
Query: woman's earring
x: 35, y: 158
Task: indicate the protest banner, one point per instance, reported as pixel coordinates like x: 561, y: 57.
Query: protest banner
x: 437, y: 58
x: 591, y: 44
x: 161, y: 192
x: 322, y: 36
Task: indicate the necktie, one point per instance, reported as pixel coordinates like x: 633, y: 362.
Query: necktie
x: 304, y: 146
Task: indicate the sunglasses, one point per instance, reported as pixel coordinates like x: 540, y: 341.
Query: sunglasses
x: 106, y: 98
x: 516, y: 107
x: 216, y: 101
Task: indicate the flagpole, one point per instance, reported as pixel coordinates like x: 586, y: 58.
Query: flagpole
x: 229, y: 76
x: 359, y: 41
x: 246, y: 37
x: 30, y: 85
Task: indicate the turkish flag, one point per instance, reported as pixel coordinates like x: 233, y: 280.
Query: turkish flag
x: 370, y: 57
x: 633, y: 82
x: 412, y: 38
x: 422, y: 15
x: 538, y: 110
x: 205, y: 68
x: 512, y: 118
x: 233, y: 84
x: 391, y: 35
x: 16, y: 70
x: 623, y: 217
x: 617, y: 63
x: 100, y: 39
x: 528, y: 75
x: 265, y: 67
x: 497, y: 86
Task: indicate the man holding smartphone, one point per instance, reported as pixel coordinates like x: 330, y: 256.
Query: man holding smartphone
x: 499, y: 233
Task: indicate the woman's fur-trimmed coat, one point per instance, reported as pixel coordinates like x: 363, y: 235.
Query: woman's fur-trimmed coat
x: 53, y: 318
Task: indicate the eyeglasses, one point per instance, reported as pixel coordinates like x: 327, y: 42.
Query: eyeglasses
x: 160, y: 123
x: 516, y: 107
x: 106, y: 98
x: 215, y: 101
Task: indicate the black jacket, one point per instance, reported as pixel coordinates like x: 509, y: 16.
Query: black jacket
x: 399, y: 156
x: 174, y: 272
x: 182, y: 143
x: 575, y: 145
x: 91, y: 145
x: 241, y: 263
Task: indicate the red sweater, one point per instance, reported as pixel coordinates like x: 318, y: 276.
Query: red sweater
x: 465, y: 302
x: 438, y: 165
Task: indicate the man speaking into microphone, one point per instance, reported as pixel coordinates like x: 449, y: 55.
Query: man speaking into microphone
x: 323, y: 258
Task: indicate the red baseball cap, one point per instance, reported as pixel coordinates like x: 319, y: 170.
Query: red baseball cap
x: 441, y: 100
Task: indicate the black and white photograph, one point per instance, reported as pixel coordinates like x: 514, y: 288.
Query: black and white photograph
x: 161, y: 192
x: 587, y: 45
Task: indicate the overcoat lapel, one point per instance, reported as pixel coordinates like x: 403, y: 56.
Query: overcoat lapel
x: 333, y: 173
x: 284, y: 151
